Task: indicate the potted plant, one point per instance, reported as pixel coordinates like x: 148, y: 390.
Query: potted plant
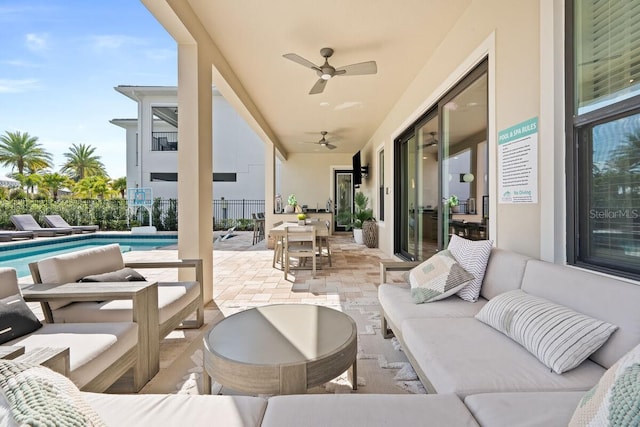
x: 301, y: 218
x: 292, y: 202
x: 357, y: 219
x: 453, y: 203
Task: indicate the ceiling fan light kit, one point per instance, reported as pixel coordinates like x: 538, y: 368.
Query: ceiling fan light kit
x: 326, y: 71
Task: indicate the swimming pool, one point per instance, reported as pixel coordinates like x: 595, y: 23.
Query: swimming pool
x: 18, y: 255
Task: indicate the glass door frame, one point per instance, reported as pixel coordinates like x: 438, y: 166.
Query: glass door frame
x: 336, y: 173
x: 411, y: 132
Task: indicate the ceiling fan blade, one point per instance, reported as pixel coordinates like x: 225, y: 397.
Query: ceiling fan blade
x: 300, y: 60
x: 318, y: 87
x: 330, y: 146
x: 361, y: 68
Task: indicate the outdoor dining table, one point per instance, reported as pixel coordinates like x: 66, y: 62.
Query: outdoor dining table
x: 322, y: 230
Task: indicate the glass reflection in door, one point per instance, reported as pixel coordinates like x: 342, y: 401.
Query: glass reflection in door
x: 344, y: 198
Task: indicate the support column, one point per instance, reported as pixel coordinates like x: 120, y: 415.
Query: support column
x: 195, y: 161
x: 269, y: 184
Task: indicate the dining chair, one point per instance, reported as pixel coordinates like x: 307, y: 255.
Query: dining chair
x: 300, y: 242
x: 277, y: 247
x: 324, y: 241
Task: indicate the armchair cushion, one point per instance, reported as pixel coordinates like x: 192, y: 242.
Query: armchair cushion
x: 558, y: 336
x: 16, y: 319
x: 39, y: 396
x: 123, y: 275
x: 437, y: 278
x: 72, y: 266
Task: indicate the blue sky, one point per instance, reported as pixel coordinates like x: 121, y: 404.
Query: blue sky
x: 59, y: 63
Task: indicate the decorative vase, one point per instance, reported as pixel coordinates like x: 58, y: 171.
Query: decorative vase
x: 357, y: 236
x: 288, y: 209
x: 370, y: 233
x: 301, y: 222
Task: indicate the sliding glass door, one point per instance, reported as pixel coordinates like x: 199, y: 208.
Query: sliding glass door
x: 441, y: 173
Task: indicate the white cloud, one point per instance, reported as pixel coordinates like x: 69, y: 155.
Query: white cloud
x: 115, y: 41
x: 20, y: 63
x: 17, y: 85
x: 37, y: 42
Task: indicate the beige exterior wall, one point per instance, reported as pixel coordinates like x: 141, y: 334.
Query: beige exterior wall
x: 310, y: 176
x: 508, y: 33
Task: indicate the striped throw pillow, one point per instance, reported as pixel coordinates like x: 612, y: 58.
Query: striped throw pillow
x: 558, y: 336
x: 473, y: 256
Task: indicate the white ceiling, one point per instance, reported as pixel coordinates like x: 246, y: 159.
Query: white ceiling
x: 252, y: 35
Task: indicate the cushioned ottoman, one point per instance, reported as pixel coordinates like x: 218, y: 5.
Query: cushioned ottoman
x: 177, y: 410
x: 366, y: 410
x: 548, y: 409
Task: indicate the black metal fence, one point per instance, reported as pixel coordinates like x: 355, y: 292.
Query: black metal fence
x: 229, y: 213
x: 226, y: 213
x: 112, y: 214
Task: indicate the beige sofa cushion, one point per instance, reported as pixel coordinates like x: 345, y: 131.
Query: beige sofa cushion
x: 398, y: 305
x: 601, y: 297
x: 93, y: 347
x: 465, y: 356
x: 172, y: 297
x: 177, y: 410
x: 535, y: 409
x: 348, y: 410
x: 504, y: 272
x: 73, y: 266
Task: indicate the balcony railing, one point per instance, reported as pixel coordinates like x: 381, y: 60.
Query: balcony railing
x: 164, y: 141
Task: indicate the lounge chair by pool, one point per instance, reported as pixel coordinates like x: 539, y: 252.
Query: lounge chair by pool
x: 59, y: 222
x: 8, y: 235
x: 28, y: 223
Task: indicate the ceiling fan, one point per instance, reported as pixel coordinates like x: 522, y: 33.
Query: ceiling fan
x: 433, y: 140
x: 327, y: 71
x: 323, y: 141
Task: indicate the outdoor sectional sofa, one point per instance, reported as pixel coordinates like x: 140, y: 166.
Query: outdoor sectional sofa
x: 475, y: 374
x: 500, y: 381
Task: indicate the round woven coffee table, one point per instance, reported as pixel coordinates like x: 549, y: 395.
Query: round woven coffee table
x: 280, y: 349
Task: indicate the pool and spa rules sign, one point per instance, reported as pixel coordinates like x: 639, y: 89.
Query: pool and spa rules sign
x: 518, y: 163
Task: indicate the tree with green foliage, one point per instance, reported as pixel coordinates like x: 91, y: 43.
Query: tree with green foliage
x: 53, y: 182
x: 22, y: 151
x: 92, y: 186
x: 82, y: 162
x: 120, y: 185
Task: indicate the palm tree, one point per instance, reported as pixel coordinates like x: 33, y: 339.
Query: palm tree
x: 120, y: 185
x: 54, y: 182
x: 21, y: 151
x: 82, y: 162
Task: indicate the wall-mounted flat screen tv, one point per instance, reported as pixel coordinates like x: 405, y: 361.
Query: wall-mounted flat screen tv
x: 357, y: 166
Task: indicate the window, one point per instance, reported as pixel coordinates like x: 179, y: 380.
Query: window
x: 381, y: 185
x: 164, y: 136
x: 224, y: 177
x: 173, y: 177
x: 164, y: 177
x: 603, y: 147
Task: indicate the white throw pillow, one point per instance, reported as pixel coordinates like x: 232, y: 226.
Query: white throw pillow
x: 36, y: 395
x: 473, y: 256
x: 437, y: 278
x: 615, y: 400
x: 558, y: 336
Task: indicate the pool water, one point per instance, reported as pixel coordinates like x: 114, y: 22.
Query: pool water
x: 19, y: 255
